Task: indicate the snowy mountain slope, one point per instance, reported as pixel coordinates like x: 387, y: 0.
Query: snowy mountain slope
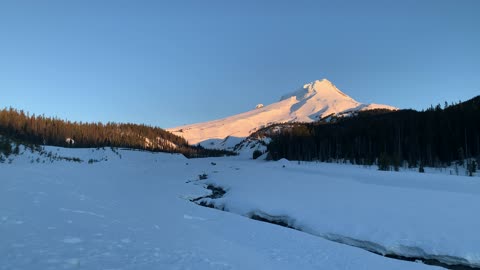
x: 309, y: 103
x: 132, y: 212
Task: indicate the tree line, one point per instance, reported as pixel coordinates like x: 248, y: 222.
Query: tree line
x: 435, y: 137
x: 41, y: 130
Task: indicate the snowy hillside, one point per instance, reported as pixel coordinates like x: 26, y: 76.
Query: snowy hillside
x: 310, y: 103
x: 133, y: 210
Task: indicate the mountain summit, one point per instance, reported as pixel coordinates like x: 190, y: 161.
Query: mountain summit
x: 310, y: 103
x: 322, y: 87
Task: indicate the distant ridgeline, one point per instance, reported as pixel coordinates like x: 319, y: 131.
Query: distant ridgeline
x: 434, y: 137
x: 40, y: 130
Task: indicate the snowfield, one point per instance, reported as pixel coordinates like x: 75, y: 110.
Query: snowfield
x: 133, y: 210
x: 408, y: 214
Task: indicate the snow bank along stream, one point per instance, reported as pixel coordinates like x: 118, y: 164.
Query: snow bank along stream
x: 289, y: 197
x: 448, y: 262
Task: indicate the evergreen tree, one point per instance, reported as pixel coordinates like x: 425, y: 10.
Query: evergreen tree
x: 256, y: 154
x: 384, y: 162
x: 471, y: 167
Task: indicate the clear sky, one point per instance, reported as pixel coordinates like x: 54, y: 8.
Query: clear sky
x: 168, y: 63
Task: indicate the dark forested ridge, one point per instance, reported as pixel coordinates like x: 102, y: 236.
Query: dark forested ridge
x: 434, y: 137
x: 40, y: 130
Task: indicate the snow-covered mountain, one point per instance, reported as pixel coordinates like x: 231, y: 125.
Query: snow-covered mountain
x: 312, y: 102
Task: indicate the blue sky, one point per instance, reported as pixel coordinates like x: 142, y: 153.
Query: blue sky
x: 179, y: 62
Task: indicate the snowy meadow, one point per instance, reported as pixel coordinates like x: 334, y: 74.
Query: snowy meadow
x: 139, y: 210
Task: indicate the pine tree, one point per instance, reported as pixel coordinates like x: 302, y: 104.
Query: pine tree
x: 384, y: 162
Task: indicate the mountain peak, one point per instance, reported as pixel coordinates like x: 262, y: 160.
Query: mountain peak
x: 323, y: 81
x: 309, y: 103
x: 324, y: 88
x: 321, y: 85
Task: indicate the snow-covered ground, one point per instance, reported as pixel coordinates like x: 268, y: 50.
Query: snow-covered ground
x: 132, y: 210
x: 431, y: 216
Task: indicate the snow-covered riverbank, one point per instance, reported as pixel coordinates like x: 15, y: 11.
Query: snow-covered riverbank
x: 132, y: 210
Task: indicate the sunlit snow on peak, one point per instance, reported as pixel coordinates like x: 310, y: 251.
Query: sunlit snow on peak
x: 309, y: 103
